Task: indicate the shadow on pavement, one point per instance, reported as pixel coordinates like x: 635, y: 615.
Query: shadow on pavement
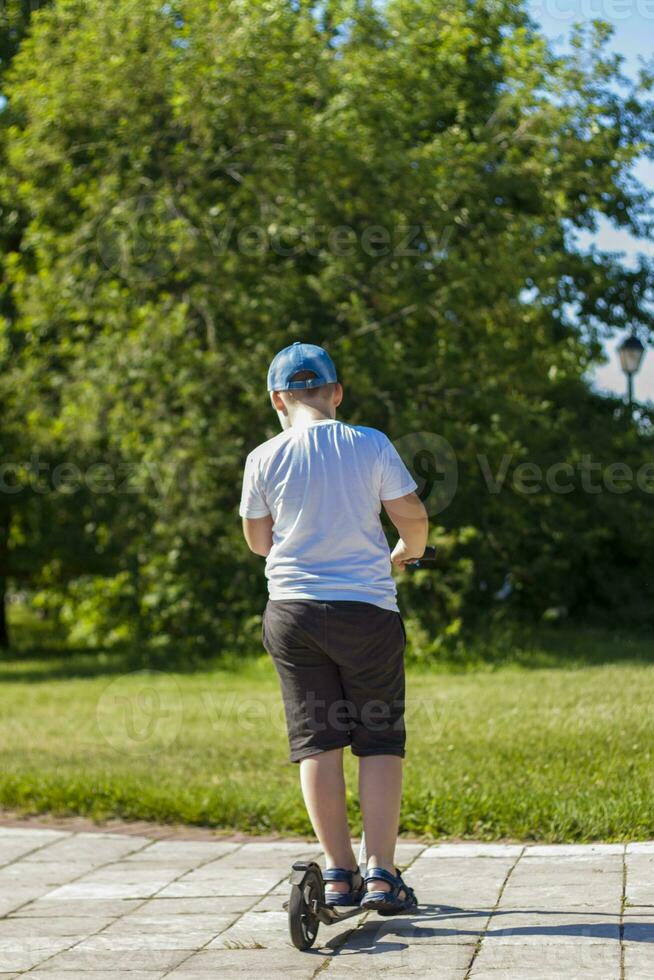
x: 370, y: 937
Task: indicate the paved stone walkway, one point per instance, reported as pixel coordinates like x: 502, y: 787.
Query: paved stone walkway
x: 104, y: 906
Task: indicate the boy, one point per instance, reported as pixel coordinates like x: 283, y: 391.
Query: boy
x: 311, y: 501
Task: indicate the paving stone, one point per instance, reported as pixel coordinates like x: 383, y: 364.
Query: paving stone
x: 473, y: 850
x: 95, y: 848
x: 219, y: 905
x: 180, y: 932
x: 119, y: 906
x: 33, y: 834
x: 566, y: 885
x: 466, y: 865
x: 638, y: 962
x: 150, y: 940
x: 126, y: 872
x: 406, y: 852
x: 471, y: 882
x: 197, y: 884
x: 640, y: 879
x: 44, y: 974
x: 573, y: 850
x: 225, y: 869
x: 79, y: 891
x: 17, y: 961
x: 46, y: 906
x: 62, y: 925
x: 400, y: 961
x: 447, y: 928
x: 146, y: 923
x: 25, y: 873
x: 543, y: 961
x: 282, y: 888
x: 27, y: 954
x: 29, y: 944
x: 269, y: 903
x: 537, y: 926
x: 640, y: 847
x: 184, y: 852
x: 120, y: 962
x: 639, y: 927
x: 558, y: 875
x: 267, y: 860
x: 12, y: 848
x: 270, y: 964
x: 560, y: 897
x: 21, y: 896
x: 571, y: 869
x: 268, y: 929
x: 277, y: 847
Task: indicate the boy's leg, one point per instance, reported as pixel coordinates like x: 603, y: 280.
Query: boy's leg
x: 368, y: 643
x: 292, y: 632
x: 323, y: 787
x: 380, y: 792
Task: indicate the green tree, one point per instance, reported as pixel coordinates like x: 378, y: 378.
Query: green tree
x: 206, y: 181
x: 14, y: 21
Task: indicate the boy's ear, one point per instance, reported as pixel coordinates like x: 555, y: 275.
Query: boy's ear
x: 338, y: 394
x: 277, y: 402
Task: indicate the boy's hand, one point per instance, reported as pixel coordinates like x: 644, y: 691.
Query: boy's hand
x: 410, y: 519
x: 401, y: 555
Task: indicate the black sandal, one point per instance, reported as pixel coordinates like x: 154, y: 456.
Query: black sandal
x: 389, y: 903
x: 353, y: 897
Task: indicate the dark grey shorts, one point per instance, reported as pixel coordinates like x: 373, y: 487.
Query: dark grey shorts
x: 341, y: 669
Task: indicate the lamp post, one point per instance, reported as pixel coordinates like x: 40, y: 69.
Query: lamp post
x: 631, y: 354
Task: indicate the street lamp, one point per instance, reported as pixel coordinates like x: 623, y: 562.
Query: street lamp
x: 631, y: 354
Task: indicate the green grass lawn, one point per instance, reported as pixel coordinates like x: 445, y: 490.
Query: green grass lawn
x: 561, y: 751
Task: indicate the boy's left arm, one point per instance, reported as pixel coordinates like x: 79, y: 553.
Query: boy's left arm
x: 257, y: 531
x: 257, y: 519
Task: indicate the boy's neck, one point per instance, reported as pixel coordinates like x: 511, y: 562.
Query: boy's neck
x: 305, y: 413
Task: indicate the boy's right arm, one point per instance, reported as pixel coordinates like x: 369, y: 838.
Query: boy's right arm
x: 258, y: 532
x: 409, y: 516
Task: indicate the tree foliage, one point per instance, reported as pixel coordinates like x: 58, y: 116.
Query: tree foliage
x: 202, y: 182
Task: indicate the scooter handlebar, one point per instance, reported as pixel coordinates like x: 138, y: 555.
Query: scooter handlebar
x: 428, y: 559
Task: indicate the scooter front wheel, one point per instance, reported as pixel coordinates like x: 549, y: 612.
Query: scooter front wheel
x: 303, y: 903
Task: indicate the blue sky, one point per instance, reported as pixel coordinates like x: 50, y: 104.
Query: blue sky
x: 633, y: 21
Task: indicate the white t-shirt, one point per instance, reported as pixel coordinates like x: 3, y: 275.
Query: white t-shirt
x: 323, y: 483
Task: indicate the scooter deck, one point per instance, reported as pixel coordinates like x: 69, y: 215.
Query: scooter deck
x: 329, y: 915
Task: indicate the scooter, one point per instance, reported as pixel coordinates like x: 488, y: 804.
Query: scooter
x: 306, y: 904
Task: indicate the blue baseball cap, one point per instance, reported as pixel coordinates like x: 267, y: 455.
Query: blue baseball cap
x: 300, y: 357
